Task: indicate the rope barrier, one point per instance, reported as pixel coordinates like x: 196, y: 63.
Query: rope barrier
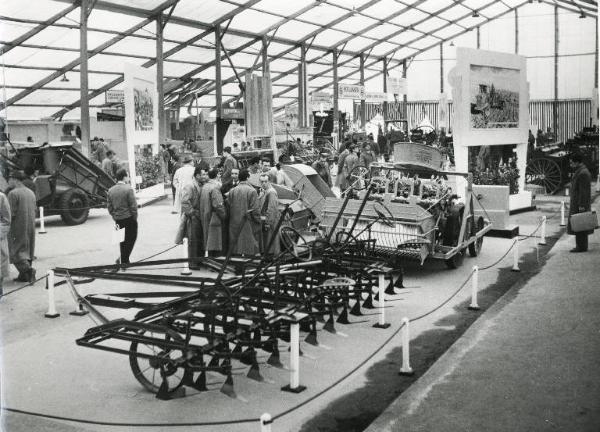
x: 284, y: 413
x: 158, y: 253
x: 24, y: 286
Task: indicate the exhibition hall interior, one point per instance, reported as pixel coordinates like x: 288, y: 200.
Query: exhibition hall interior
x: 299, y: 216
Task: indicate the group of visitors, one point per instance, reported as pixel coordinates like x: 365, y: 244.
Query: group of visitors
x: 353, y: 154
x: 226, y: 212
x: 104, y: 157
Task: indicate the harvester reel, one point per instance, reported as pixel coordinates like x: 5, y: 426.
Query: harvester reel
x: 359, y: 178
x: 294, y: 243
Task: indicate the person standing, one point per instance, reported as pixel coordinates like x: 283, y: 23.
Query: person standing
x: 244, y: 217
x: 191, y: 217
x: 350, y: 163
x: 321, y: 166
x: 212, y: 214
x: 183, y: 177
x: 229, y: 164
x: 21, y: 240
x: 269, y: 216
x: 233, y: 182
x: 108, y: 165
x: 29, y: 181
x: 122, y: 206
x: 5, y: 218
x: 340, y: 179
x: 367, y: 156
x: 580, y: 200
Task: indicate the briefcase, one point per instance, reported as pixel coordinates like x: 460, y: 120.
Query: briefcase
x: 586, y: 221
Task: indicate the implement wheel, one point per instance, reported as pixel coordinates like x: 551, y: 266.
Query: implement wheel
x: 475, y: 248
x: 74, y: 207
x: 150, y: 361
x: 544, y: 172
x: 456, y: 260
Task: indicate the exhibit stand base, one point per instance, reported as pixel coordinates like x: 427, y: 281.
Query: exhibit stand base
x: 510, y: 231
x: 521, y: 202
x: 289, y: 389
x: 150, y: 194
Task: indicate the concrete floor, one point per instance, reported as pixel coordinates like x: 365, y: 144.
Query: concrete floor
x: 44, y: 371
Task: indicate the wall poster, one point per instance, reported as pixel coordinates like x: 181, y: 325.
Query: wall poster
x: 494, y: 97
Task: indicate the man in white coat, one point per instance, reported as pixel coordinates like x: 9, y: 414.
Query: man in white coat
x: 183, y: 176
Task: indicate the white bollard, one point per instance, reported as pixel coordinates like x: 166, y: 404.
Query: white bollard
x: 42, y: 223
x: 405, y: 369
x: 543, y: 231
x: 51, y: 306
x: 381, y: 294
x: 294, y: 386
x: 562, y: 214
x: 515, y: 266
x: 186, y: 264
x: 265, y: 422
x: 474, y: 288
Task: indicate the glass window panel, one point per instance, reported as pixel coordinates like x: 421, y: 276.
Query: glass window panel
x: 383, y: 48
x: 330, y: 38
x: 41, y: 96
x: 137, y: 46
x: 409, y: 17
x: 405, y: 52
x: 39, y: 57
x: 109, y: 63
x: 283, y: 7
x: 475, y: 4
x: 179, y: 32
x: 206, y: 11
x: 323, y: 14
x: 107, y: 20
x: 431, y: 24
x: 140, y: 4
x: 493, y: 10
x: 358, y: 44
x: 426, y: 42
x: 456, y: 12
x: 283, y: 65
x: 27, y: 113
x: 195, y: 54
x: 405, y: 36
x: 232, y: 42
x: 14, y: 8
x: 177, y: 69
x: 253, y: 21
x: 383, y: 8
x: 9, y: 31
x: 382, y: 31
x: 344, y: 3
x: 296, y: 30
x: 449, y: 31
x: 355, y: 24
x: 435, y: 5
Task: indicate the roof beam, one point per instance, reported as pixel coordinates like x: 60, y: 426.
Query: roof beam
x: 9, y: 46
x: 91, y: 53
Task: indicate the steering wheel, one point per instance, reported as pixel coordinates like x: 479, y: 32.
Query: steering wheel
x: 359, y: 177
x: 294, y: 243
x: 384, y: 214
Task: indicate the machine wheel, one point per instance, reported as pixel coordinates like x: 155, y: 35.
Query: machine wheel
x: 148, y: 370
x: 293, y: 242
x: 384, y: 214
x: 456, y: 260
x: 359, y: 177
x: 544, y: 172
x: 74, y: 206
x: 475, y: 248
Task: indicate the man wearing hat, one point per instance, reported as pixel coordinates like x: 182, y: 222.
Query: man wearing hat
x: 183, y: 176
x: 21, y: 238
x: 322, y: 168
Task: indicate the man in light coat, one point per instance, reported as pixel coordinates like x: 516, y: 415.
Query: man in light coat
x: 350, y: 163
x: 21, y: 240
x: 580, y: 200
x: 244, y: 217
x: 212, y: 214
x: 269, y: 216
x: 191, y: 217
x: 183, y: 177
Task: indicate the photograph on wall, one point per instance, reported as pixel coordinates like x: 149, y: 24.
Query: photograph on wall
x: 494, y: 97
x: 143, y: 105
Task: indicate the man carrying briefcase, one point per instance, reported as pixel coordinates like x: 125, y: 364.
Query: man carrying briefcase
x: 580, y: 199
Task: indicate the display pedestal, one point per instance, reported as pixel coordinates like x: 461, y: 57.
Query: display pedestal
x: 521, y: 202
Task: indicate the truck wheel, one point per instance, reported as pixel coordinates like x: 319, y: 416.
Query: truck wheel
x: 475, y: 248
x: 74, y: 207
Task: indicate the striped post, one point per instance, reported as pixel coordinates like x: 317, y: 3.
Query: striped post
x: 186, y: 264
x: 265, y: 422
x: 405, y: 369
x: 51, y: 305
x: 543, y: 231
x: 42, y: 222
x: 562, y: 214
x: 515, y: 266
x: 474, y: 289
x: 381, y: 293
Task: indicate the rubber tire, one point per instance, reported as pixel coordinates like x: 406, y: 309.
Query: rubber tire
x: 73, y: 198
x: 475, y: 248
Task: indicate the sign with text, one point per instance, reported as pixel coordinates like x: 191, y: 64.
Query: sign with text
x: 376, y: 97
x: 320, y: 101
x: 417, y: 155
x: 233, y: 113
x: 114, y: 96
x: 347, y: 91
x: 396, y: 85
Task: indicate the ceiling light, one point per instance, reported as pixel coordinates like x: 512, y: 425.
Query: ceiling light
x: 380, y: 23
x: 475, y: 14
x: 451, y: 43
x: 354, y: 11
x: 583, y: 15
x: 64, y: 78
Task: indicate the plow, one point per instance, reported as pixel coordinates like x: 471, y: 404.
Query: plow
x: 179, y: 328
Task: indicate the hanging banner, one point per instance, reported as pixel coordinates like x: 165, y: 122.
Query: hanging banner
x: 376, y: 97
x: 347, y: 91
x: 320, y: 101
x: 397, y: 85
x: 443, y: 111
x: 232, y: 113
x: 114, y: 96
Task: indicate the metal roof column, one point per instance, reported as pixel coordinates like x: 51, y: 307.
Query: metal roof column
x: 516, y: 31
x: 478, y: 38
x: 85, y: 103
x: 363, y: 104
x: 385, y: 77
x: 159, y: 79
x: 218, y: 90
x: 405, y: 96
x: 441, y: 67
x: 336, y: 107
x: 555, y: 102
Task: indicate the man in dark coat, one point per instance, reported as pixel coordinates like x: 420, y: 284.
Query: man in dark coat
x: 580, y: 199
x: 212, y: 213
x: 229, y: 164
x: 191, y: 217
x: 21, y: 238
x: 269, y: 214
x: 122, y: 206
x: 322, y: 168
x: 244, y: 217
